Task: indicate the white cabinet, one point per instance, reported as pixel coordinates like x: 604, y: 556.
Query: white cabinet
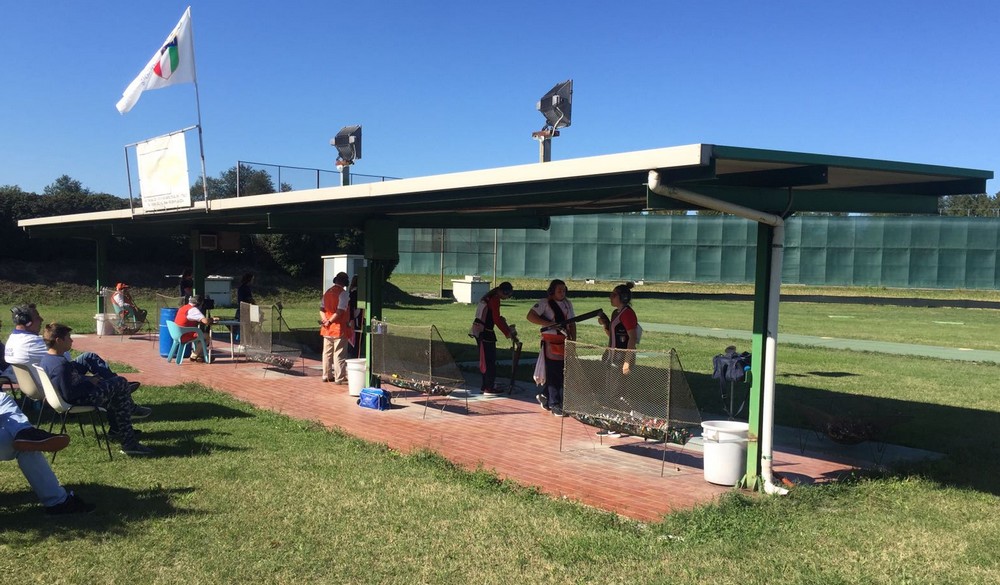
x: 219, y: 289
x: 470, y: 290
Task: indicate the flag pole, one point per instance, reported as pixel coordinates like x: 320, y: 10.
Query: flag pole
x: 201, y: 146
x: 197, y: 102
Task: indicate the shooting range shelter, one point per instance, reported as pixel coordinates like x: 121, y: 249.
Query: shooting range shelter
x: 763, y: 185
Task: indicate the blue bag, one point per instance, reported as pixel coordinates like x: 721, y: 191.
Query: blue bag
x: 375, y: 398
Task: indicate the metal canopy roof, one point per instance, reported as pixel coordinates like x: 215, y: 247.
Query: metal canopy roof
x: 527, y: 195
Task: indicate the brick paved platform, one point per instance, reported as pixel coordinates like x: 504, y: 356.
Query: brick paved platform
x: 508, y: 434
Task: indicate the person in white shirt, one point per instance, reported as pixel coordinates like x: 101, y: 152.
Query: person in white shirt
x: 549, y: 313
x: 25, y: 345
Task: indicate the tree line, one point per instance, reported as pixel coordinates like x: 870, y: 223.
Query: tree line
x: 296, y: 255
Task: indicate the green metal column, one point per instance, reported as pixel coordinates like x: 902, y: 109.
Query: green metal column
x: 375, y: 281
x: 198, y: 269
x: 102, y: 271
x: 762, y: 279
x: 381, y: 247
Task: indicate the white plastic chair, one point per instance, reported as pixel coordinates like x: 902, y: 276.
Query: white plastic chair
x: 29, y: 389
x: 65, y: 409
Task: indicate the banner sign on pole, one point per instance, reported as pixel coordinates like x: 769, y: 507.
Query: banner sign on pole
x: 163, y: 173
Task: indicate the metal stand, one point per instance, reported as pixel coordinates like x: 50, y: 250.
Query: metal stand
x: 732, y: 410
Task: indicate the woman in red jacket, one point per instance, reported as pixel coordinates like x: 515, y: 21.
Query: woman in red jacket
x: 488, y: 315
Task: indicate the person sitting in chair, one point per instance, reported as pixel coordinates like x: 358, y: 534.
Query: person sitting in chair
x: 112, y: 394
x: 26, y: 347
x: 23, y: 442
x: 125, y: 307
x: 190, y: 315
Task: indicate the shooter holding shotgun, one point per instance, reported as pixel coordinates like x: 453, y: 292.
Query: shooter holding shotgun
x: 555, y: 315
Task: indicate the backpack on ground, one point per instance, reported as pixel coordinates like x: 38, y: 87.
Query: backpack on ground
x: 375, y: 398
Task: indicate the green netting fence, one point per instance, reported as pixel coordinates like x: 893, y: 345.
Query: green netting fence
x: 903, y: 252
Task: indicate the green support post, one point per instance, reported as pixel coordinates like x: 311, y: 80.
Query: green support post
x: 374, y: 280
x: 752, y: 480
x: 198, y: 269
x: 381, y: 239
x: 101, y: 264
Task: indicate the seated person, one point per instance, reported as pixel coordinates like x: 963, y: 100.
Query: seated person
x: 113, y: 394
x: 190, y: 315
x: 124, y: 305
x: 19, y: 440
x: 26, y: 347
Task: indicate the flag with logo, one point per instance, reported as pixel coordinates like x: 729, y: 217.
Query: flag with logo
x: 173, y: 63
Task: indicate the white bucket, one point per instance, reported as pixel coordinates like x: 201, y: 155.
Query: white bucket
x: 99, y: 325
x: 725, y: 456
x: 355, y: 376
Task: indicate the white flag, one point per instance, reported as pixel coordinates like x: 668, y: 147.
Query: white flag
x: 172, y: 63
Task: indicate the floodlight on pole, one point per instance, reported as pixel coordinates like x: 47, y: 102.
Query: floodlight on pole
x: 557, y: 107
x: 348, y: 145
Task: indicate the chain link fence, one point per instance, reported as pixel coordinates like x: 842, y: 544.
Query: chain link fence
x: 414, y: 357
x: 261, y: 334
x: 638, y: 393
x: 124, y: 319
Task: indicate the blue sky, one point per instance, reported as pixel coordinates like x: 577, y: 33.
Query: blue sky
x: 451, y: 86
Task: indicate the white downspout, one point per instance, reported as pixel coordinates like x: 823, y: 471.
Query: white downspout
x: 774, y: 294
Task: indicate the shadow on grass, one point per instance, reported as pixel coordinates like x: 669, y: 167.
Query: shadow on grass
x: 965, y: 436
x: 189, y: 411
x: 117, y: 510
x: 187, y: 444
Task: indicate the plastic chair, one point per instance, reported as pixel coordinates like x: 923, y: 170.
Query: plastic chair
x: 178, y: 348
x: 29, y: 389
x: 65, y: 409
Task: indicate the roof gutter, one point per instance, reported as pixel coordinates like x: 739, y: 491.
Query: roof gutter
x: 774, y: 294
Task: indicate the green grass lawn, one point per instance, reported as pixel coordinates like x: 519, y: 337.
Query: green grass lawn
x: 241, y: 495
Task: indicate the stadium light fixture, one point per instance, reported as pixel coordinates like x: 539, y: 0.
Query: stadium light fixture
x: 348, y: 145
x: 557, y: 107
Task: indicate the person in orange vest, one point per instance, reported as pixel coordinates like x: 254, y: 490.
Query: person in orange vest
x: 335, y: 327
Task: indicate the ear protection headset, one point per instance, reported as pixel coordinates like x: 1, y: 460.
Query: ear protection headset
x: 552, y: 286
x: 21, y: 315
x: 624, y: 293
